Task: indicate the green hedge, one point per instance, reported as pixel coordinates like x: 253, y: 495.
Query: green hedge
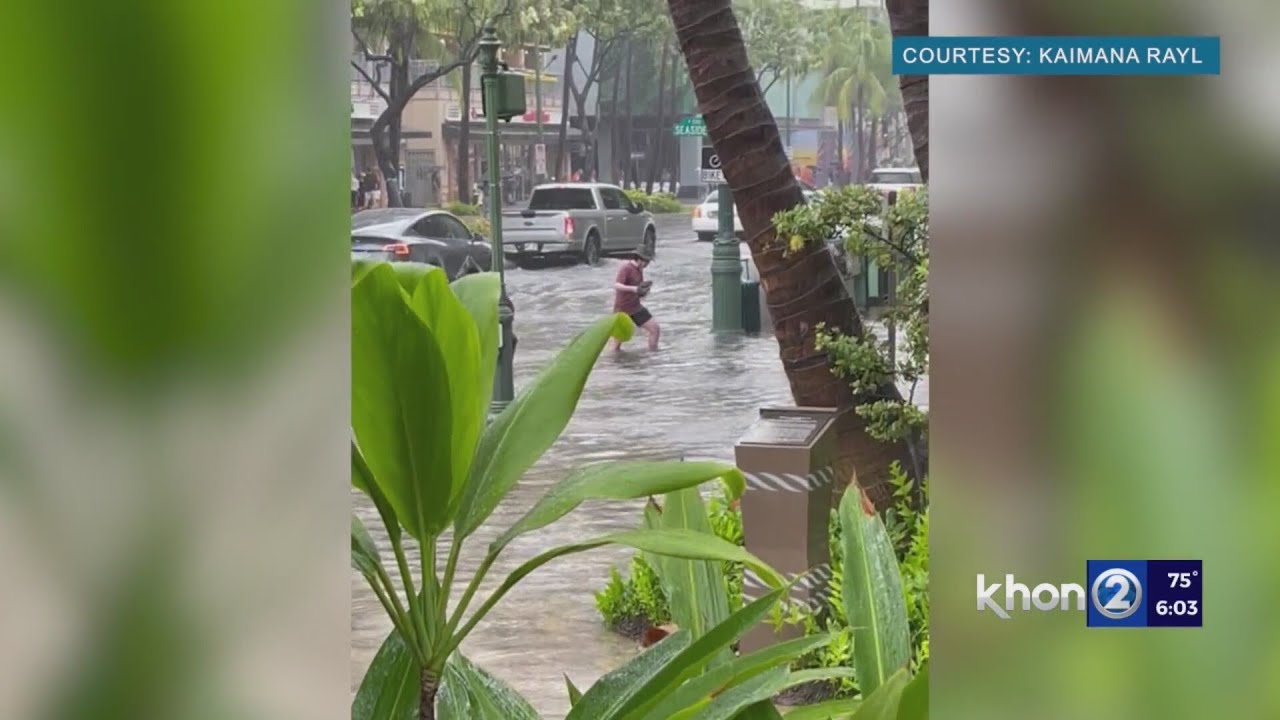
x: 658, y: 202
x: 462, y: 209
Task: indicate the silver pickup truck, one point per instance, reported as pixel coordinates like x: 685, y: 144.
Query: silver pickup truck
x: 580, y: 220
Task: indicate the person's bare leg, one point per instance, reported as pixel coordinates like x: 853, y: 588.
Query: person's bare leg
x: 654, y: 331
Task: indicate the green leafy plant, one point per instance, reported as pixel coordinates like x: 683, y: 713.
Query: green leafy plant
x: 630, y: 605
x: 462, y: 210
x: 659, y: 202
x: 871, y: 590
x: 435, y: 469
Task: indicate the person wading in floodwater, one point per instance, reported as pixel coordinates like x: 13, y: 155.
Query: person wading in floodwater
x: 628, y: 287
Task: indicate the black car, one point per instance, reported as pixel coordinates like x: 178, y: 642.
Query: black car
x: 434, y: 237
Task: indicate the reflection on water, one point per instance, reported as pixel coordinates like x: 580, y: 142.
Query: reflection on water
x: 693, y: 398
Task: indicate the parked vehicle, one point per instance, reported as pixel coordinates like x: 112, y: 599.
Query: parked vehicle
x: 895, y: 179
x: 585, y: 221
x: 434, y: 237
x: 705, y: 217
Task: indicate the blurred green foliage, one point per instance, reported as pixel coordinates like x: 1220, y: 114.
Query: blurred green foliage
x: 658, y: 203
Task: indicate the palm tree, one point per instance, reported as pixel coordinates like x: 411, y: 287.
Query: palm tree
x: 858, y: 82
x: 804, y: 288
x: 911, y: 18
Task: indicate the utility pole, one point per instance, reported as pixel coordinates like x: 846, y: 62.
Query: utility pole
x: 504, y: 383
x: 537, y: 102
x: 726, y: 269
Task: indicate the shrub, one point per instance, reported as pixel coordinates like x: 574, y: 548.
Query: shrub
x: 477, y: 224
x: 462, y: 209
x: 659, y: 202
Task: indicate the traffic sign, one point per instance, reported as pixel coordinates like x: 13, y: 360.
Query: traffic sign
x: 692, y: 125
x: 711, y: 170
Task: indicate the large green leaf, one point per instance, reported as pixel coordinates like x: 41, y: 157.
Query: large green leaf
x: 479, y: 294
x: 528, y: 426
x: 364, y: 554
x: 696, y: 589
x: 873, y: 598
x: 700, y: 689
x: 760, y: 711
x: 915, y: 697
x: 574, y: 693
x: 616, y: 481
x: 639, y: 700
x: 667, y: 542
x: 605, y: 698
x: 761, y: 688
x: 469, y: 381
x: 488, y: 698
x: 389, y: 690
x: 839, y: 709
x: 884, y: 702
x: 362, y: 480
x: 400, y: 403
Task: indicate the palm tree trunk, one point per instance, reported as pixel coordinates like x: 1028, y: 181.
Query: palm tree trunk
x: 859, y: 139
x: 464, y: 138
x: 655, y: 156
x: 909, y: 18
x: 804, y: 289
x: 566, y: 78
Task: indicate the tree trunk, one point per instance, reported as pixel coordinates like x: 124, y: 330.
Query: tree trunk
x: 464, y: 139
x: 873, y: 146
x: 839, y: 179
x: 613, y: 122
x: 566, y: 82
x: 673, y: 157
x: 628, y: 119
x: 859, y: 140
x: 804, y: 289
x: 655, y: 157
x: 909, y: 18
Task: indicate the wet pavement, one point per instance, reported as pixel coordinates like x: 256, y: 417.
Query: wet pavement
x: 692, y: 398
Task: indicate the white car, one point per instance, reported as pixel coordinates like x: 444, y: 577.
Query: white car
x: 895, y: 179
x: 705, y: 217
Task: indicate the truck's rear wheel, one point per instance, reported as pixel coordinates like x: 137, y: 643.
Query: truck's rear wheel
x: 650, y: 243
x: 591, y: 250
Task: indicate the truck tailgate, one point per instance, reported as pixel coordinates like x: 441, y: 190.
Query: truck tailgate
x: 533, y: 227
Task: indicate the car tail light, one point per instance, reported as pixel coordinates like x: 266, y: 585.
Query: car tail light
x: 568, y: 226
x: 397, y: 249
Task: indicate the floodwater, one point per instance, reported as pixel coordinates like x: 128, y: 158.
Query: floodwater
x: 693, y: 399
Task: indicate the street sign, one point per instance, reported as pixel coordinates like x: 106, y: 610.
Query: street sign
x: 693, y: 125
x: 540, y: 159
x: 711, y: 173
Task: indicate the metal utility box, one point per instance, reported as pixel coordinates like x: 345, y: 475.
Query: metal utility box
x: 788, y: 458
x: 509, y: 91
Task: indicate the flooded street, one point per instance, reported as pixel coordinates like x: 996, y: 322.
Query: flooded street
x: 693, y: 399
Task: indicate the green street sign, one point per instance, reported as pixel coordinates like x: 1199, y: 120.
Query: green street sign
x: 690, y: 126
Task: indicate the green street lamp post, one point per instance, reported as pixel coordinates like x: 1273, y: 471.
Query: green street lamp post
x: 503, y: 98
x: 726, y: 269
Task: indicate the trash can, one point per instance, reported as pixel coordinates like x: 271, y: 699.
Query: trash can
x: 788, y: 458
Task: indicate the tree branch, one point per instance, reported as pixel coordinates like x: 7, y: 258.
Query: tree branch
x: 374, y: 83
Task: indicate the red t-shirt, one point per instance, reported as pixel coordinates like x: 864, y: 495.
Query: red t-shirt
x: 625, y: 301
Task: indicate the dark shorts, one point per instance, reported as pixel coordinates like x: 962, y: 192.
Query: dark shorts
x: 641, y: 316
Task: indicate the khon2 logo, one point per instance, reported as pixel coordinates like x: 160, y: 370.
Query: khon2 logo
x: 1118, y: 593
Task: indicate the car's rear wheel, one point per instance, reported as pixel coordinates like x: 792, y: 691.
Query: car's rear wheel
x: 706, y: 237
x: 650, y: 243
x: 591, y: 250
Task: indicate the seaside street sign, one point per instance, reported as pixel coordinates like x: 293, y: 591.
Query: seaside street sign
x: 692, y: 125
